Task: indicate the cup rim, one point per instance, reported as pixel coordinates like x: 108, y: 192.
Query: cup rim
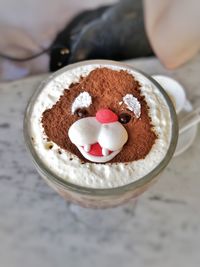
x: 101, y: 192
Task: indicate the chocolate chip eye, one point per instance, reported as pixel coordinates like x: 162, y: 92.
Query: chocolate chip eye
x: 124, y: 118
x: 81, y: 112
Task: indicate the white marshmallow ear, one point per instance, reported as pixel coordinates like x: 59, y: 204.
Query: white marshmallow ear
x: 83, y: 100
x: 132, y: 104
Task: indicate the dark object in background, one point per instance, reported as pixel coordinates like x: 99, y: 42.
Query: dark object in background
x: 111, y: 32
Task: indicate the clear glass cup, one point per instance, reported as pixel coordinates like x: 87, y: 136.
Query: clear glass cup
x: 90, y: 197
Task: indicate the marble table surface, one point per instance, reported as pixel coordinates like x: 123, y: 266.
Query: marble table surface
x: 38, y: 228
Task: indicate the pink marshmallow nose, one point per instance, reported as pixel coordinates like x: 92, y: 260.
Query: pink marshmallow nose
x: 106, y: 116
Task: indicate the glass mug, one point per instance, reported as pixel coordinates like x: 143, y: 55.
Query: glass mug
x: 94, y: 197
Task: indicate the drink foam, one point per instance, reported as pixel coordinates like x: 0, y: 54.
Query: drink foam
x: 68, y: 166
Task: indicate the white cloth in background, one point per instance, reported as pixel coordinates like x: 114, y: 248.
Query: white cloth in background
x: 28, y: 26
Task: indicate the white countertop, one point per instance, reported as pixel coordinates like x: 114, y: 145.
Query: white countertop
x: 38, y: 228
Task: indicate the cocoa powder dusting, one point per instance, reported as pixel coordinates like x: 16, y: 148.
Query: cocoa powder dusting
x: 107, y: 88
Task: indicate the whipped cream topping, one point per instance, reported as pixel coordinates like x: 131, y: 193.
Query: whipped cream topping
x: 68, y: 166
x: 132, y: 104
x: 83, y: 100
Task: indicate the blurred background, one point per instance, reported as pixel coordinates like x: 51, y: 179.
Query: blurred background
x: 37, y: 36
x: 37, y: 227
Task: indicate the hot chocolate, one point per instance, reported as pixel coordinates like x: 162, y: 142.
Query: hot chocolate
x: 101, y: 126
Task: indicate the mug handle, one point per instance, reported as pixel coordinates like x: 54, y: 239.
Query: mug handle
x: 189, y: 120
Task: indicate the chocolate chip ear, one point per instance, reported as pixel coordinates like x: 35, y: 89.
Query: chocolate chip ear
x: 124, y: 118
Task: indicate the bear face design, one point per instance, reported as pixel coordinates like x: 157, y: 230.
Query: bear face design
x: 100, y: 138
x: 102, y: 118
